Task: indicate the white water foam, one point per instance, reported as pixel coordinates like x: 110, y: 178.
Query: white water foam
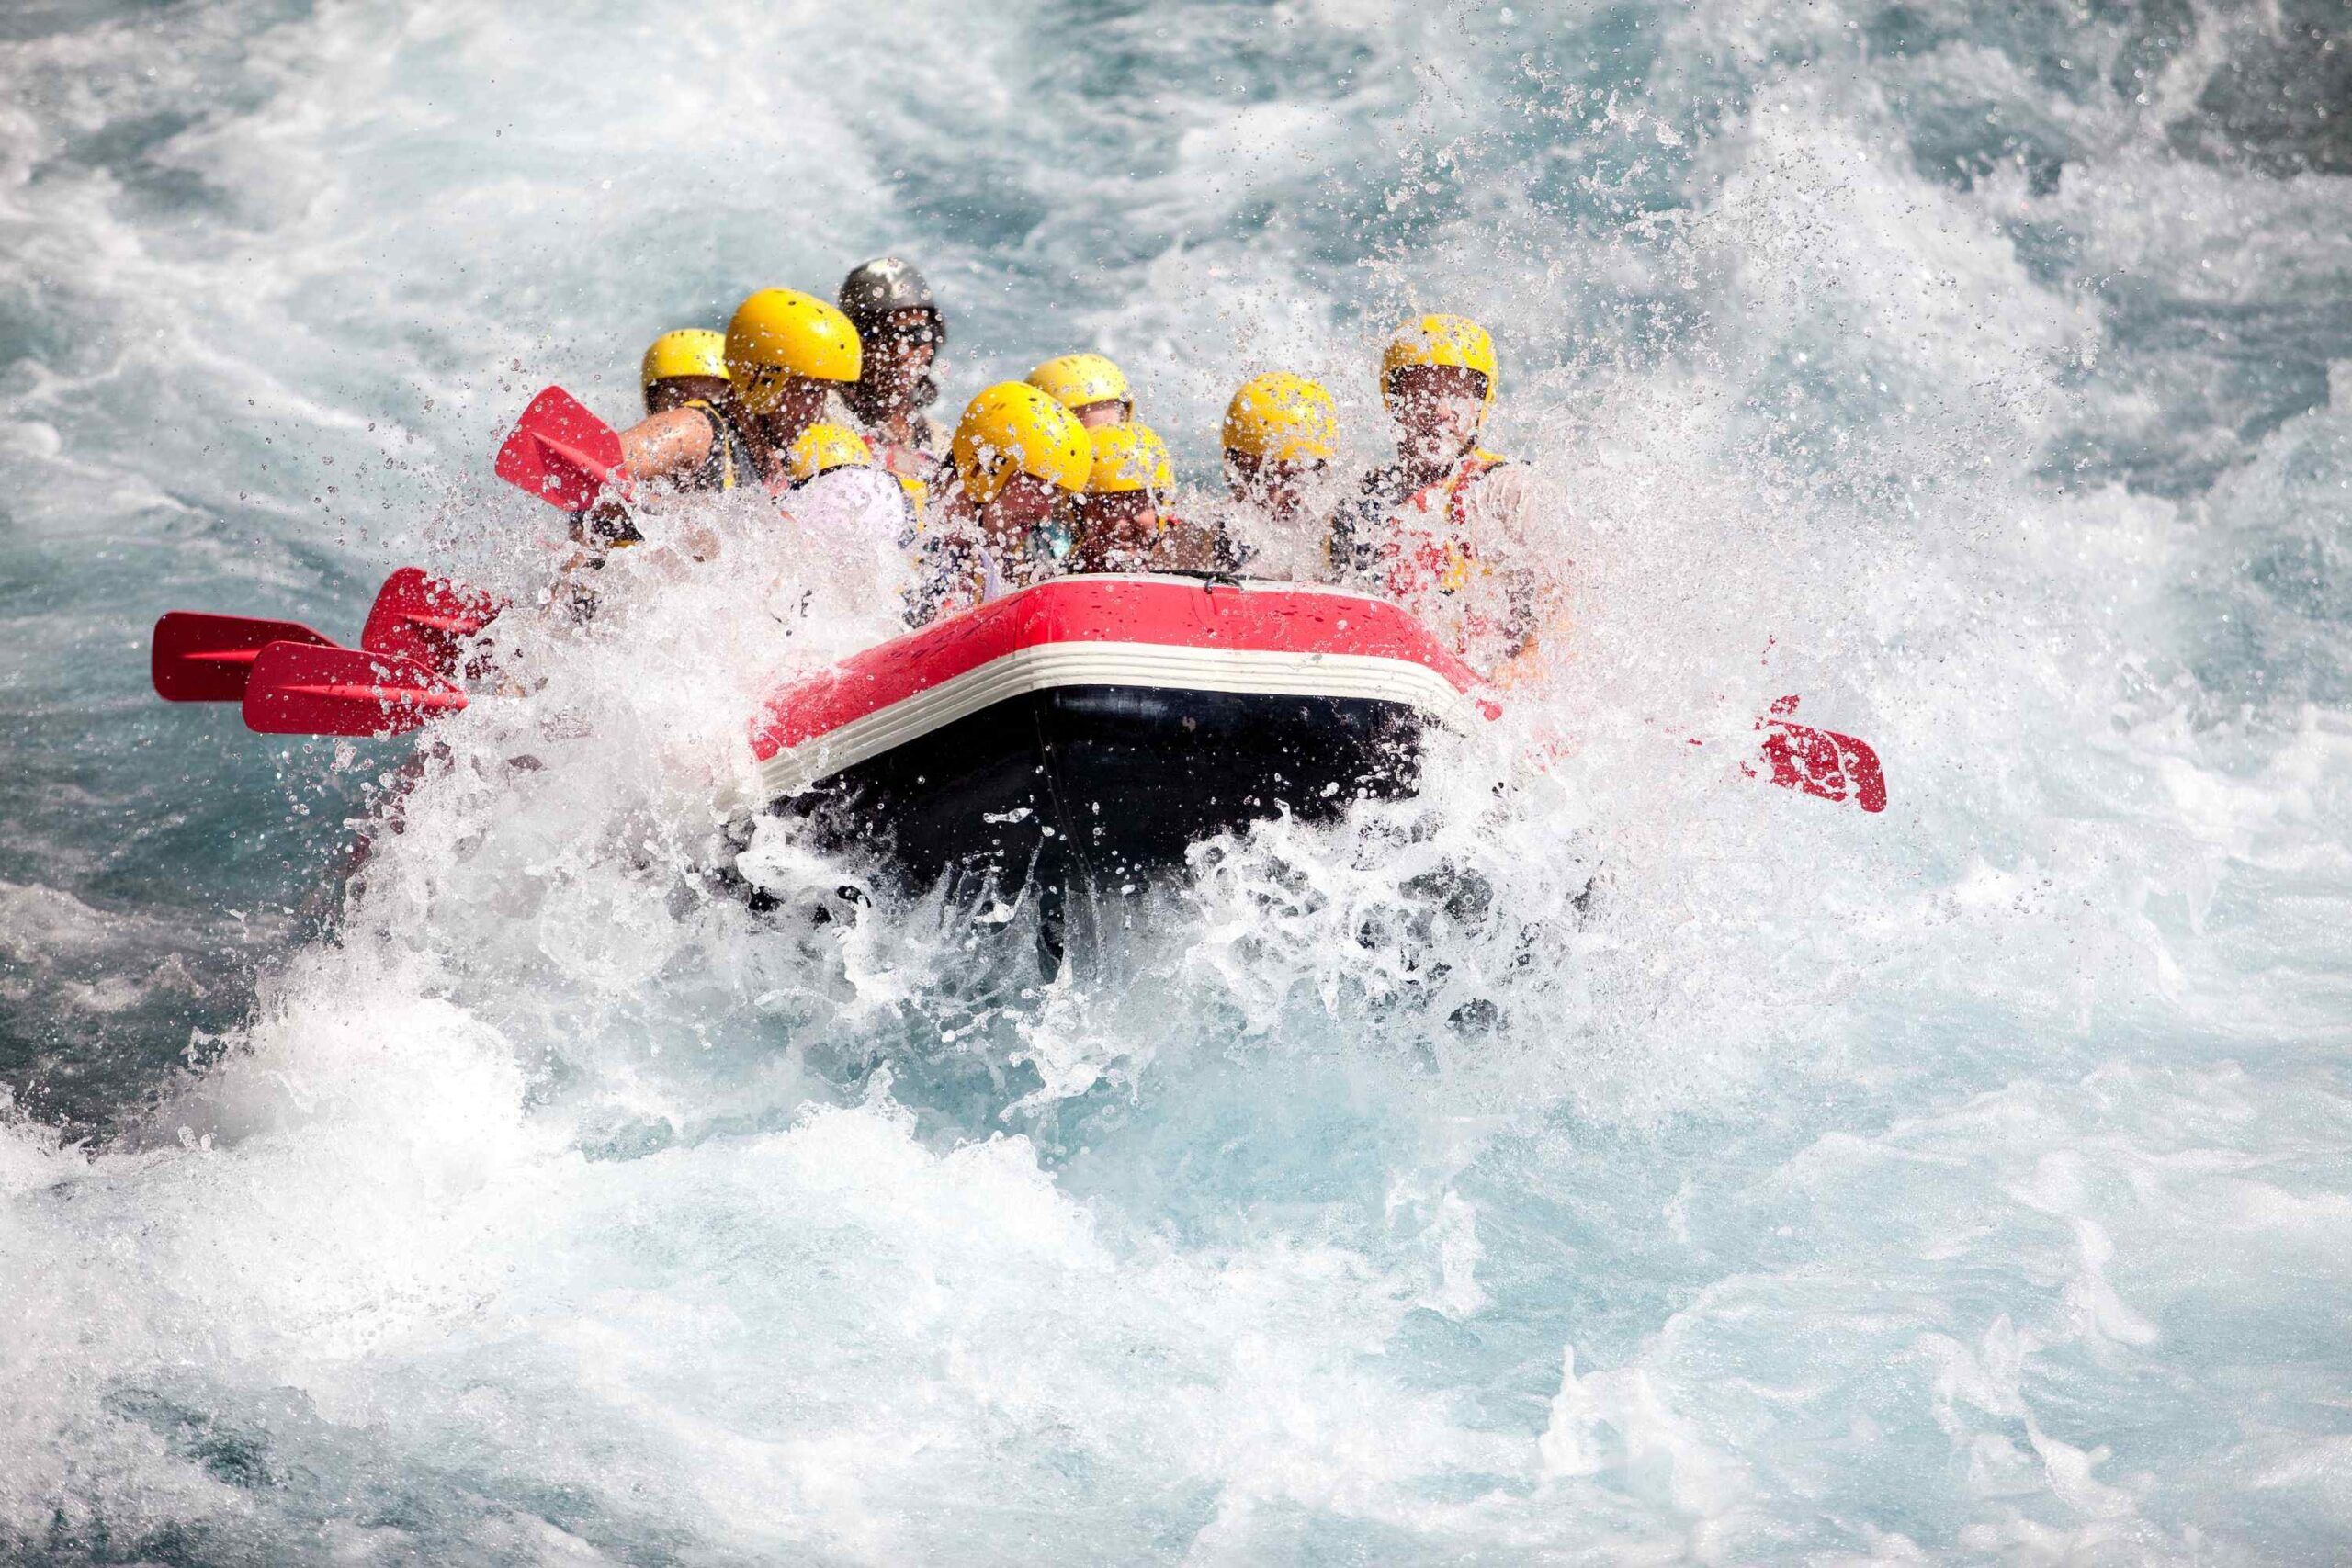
x: 1639, y: 1164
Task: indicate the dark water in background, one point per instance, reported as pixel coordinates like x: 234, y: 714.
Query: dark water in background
x: 1966, y: 1183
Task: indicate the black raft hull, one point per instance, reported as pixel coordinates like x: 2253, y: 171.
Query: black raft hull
x: 1109, y: 784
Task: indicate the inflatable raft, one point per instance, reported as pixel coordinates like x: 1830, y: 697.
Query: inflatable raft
x: 1099, y: 725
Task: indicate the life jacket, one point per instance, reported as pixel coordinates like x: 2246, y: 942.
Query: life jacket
x: 1415, y: 547
x: 730, y: 463
x: 1426, y: 546
x: 915, y: 464
x: 912, y: 465
x: 1407, y: 542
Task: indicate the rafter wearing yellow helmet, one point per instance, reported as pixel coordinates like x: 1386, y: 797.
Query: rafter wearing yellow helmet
x: 684, y: 366
x: 821, y: 448
x: 837, y: 491
x: 1017, y: 452
x: 1423, y: 351
x: 1118, y: 519
x: 1129, y: 459
x: 1437, y: 377
x: 784, y: 350
x: 1282, y: 417
x: 1088, y: 385
x: 690, y: 438
x: 1013, y: 432
x: 1419, y: 530
x: 1281, y: 434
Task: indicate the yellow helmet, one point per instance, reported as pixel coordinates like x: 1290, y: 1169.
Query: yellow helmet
x: 1456, y: 341
x: 1013, y: 428
x: 1129, y: 458
x: 691, y: 351
x: 823, y: 447
x: 1282, y: 417
x: 1076, y: 380
x: 782, y: 331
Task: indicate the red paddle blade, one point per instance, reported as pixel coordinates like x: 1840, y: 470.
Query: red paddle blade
x: 424, y: 619
x: 1824, y: 764
x: 560, y: 452
x: 298, y: 689
x: 198, y: 658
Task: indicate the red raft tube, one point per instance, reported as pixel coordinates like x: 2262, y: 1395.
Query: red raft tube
x: 1100, y: 726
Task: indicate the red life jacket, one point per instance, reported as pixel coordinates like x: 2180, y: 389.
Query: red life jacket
x: 1426, y: 546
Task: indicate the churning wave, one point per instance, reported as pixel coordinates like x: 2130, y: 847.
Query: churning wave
x: 1630, y: 1164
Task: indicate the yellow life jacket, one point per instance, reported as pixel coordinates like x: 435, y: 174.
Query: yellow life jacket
x: 730, y: 463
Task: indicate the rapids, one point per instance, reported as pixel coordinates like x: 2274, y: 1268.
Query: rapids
x: 1637, y: 1164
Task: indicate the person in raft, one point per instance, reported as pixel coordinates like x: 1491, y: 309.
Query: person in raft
x: 1089, y: 385
x: 786, y: 352
x: 1436, y: 529
x: 1015, y: 455
x: 901, y: 332
x: 834, y: 484
x: 681, y: 369
x: 853, y: 524
x: 1123, y: 522
x: 1280, y: 435
x: 1116, y: 521
x: 686, y: 368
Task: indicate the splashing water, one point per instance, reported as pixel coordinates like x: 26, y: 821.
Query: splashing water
x: 1633, y: 1162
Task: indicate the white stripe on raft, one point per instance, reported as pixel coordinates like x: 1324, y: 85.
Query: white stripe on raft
x: 1266, y: 672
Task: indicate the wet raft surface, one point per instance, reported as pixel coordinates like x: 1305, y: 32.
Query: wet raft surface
x: 1112, y: 783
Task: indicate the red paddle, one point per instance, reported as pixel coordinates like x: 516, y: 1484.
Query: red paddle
x: 562, y: 453
x: 1821, y: 762
x: 199, y: 658
x: 302, y: 689
x: 424, y: 619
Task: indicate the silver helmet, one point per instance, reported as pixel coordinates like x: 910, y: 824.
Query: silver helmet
x: 877, y: 288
